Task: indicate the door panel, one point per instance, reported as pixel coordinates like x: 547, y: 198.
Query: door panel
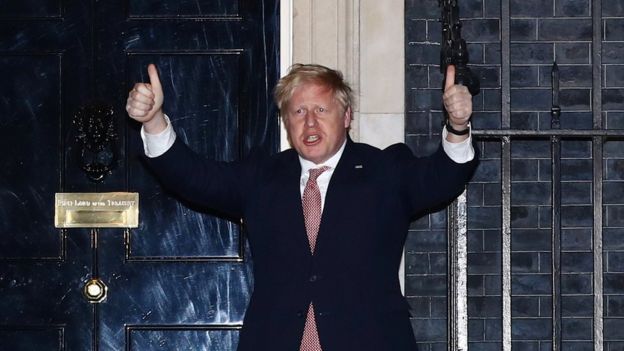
x: 43, y: 298
x: 168, y: 8
x: 206, y: 111
x: 31, y: 9
x: 171, y: 300
x: 42, y: 269
x: 30, y: 109
x: 182, y: 279
x: 49, y: 338
x: 174, y: 340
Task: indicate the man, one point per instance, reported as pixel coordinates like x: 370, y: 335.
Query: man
x: 326, y: 220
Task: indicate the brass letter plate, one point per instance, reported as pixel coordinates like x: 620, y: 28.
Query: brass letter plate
x: 96, y: 210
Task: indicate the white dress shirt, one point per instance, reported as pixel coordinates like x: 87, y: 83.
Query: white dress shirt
x: 157, y: 144
x: 323, y: 180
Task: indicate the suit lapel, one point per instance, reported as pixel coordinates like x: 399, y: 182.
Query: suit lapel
x: 346, y: 174
x: 293, y: 209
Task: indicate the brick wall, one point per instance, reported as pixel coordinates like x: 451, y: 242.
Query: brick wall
x: 540, y: 31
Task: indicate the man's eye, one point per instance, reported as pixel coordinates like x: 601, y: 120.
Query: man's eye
x: 299, y: 111
x: 321, y: 109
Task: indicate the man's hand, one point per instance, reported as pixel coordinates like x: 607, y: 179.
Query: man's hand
x: 145, y: 103
x: 458, y: 104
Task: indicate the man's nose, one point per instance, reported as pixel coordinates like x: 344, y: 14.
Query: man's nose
x: 310, y: 119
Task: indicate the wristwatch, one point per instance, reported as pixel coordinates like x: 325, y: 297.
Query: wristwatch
x: 451, y: 130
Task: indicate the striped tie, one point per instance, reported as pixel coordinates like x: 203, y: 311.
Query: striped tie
x: 312, y: 214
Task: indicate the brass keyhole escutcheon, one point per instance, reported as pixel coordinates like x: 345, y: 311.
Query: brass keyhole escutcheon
x: 95, y: 291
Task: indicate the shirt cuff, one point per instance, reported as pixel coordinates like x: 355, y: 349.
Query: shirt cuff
x: 461, y: 152
x: 155, y: 145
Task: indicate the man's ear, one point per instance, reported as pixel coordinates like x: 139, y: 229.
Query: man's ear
x: 347, y: 117
x: 285, y: 123
x: 284, y: 117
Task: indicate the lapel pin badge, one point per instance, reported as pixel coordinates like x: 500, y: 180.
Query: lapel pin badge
x: 359, y: 166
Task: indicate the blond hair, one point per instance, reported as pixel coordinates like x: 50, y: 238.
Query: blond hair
x: 300, y: 74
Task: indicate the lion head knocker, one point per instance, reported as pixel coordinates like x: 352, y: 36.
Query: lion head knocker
x: 96, y: 136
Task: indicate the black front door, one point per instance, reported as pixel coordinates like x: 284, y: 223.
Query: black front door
x: 182, y: 279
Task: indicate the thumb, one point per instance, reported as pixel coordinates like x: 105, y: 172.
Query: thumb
x: 154, y: 79
x: 450, y: 77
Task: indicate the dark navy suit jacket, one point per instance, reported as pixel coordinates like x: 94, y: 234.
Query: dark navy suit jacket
x: 352, y: 278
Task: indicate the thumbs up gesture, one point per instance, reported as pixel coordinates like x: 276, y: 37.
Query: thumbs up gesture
x: 457, y: 101
x: 145, y: 101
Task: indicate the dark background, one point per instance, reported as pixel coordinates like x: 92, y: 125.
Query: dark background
x: 540, y: 32
x: 182, y: 279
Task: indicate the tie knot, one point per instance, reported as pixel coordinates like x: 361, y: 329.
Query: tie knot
x: 316, y: 172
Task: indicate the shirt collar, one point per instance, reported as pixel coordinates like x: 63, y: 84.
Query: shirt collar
x: 332, y: 162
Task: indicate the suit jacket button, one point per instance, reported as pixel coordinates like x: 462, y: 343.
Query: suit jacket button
x: 300, y: 314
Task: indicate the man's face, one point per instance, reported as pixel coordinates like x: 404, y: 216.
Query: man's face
x: 316, y: 122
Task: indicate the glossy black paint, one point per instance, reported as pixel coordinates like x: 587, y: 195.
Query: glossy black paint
x: 183, y: 278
